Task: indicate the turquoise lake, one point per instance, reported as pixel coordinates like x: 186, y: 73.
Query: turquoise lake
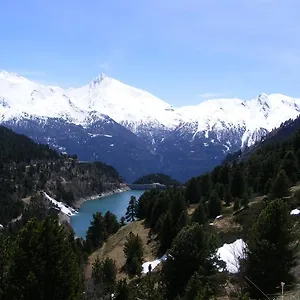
x: 116, y: 203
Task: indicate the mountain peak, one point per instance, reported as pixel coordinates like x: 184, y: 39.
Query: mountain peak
x: 262, y: 98
x: 101, y: 77
x: 5, y: 74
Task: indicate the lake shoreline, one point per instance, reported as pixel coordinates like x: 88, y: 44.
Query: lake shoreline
x: 121, y: 189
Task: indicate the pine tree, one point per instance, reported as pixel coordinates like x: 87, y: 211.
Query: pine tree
x: 224, y: 175
x: 166, y: 231
x: 238, y: 185
x: 122, y: 221
x: 197, y: 289
x: 205, y: 185
x: 271, y: 251
x: 227, y: 196
x: 4, y: 263
x: 199, y: 215
x: 280, y: 187
x: 192, y: 191
x: 131, y: 212
x: 122, y: 290
x: 134, y: 252
x: 104, y: 274
x: 289, y: 164
x: 96, y: 233
x: 220, y: 189
x: 192, y: 250
x: 111, y: 223
x: 43, y: 265
x: 148, y: 288
x: 214, y: 205
x: 268, y: 186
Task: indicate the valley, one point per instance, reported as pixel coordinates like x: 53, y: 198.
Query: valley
x: 207, y: 222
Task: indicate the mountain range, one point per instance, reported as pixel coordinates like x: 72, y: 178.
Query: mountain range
x: 134, y: 131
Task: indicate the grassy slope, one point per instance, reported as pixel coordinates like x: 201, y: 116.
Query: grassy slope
x: 229, y: 228
x: 113, y: 248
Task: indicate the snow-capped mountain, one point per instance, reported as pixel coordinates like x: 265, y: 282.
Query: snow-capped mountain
x: 135, y: 131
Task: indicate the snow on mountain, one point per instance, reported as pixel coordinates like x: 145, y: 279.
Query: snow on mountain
x: 20, y: 96
x: 123, y: 103
x: 137, y: 109
x: 255, y: 117
x: 103, y: 96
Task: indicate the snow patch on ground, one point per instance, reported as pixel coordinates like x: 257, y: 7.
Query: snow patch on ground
x: 153, y: 264
x: 295, y: 212
x: 231, y: 253
x: 64, y: 208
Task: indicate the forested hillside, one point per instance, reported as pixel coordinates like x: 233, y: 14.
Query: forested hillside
x: 249, y: 200
x: 285, y: 130
x: 27, y: 168
x: 157, y: 178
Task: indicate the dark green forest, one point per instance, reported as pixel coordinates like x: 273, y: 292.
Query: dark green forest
x: 157, y: 178
x: 27, y: 168
x: 40, y: 259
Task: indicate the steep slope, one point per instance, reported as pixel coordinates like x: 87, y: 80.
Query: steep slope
x: 286, y: 130
x: 27, y: 167
x: 135, y: 131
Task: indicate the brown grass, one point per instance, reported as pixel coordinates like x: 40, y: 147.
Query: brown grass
x: 113, y: 248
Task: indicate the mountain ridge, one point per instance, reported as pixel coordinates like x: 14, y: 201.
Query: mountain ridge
x: 152, y: 135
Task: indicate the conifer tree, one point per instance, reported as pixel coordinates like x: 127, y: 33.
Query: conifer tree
x: 148, y: 288
x: 224, y: 175
x: 238, y: 183
x: 122, y: 221
x: 104, y: 274
x: 43, y: 264
x: 166, y: 231
x: 227, y: 196
x: 268, y: 186
x: 131, y: 212
x: 289, y: 164
x: 271, y: 250
x: 280, y: 187
x: 206, y: 185
x: 220, y: 189
x: 4, y: 263
x: 192, y: 191
x: 122, y: 290
x: 199, y: 215
x: 197, y: 289
x: 96, y: 233
x: 134, y: 252
x: 192, y: 250
x: 214, y: 205
x: 111, y: 223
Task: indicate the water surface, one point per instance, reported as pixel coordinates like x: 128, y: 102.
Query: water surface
x: 116, y: 203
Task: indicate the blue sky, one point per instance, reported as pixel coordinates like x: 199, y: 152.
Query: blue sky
x: 182, y: 51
